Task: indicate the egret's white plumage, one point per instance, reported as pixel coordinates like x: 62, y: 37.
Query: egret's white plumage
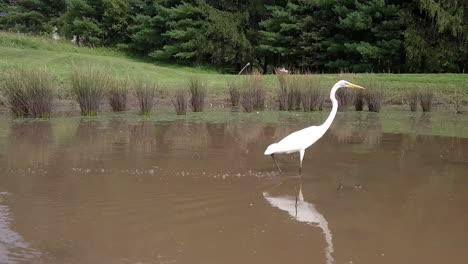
x: 304, y: 212
x: 300, y: 140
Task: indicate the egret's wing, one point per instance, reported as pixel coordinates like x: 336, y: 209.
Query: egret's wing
x: 301, y: 139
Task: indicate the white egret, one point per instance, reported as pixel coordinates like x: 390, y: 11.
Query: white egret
x: 304, y: 138
x: 304, y: 212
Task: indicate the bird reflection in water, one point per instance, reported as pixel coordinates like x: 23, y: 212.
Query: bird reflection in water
x: 305, y: 212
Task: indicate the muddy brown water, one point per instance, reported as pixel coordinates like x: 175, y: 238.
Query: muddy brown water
x: 183, y: 192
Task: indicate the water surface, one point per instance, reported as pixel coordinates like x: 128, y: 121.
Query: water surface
x: 114, y: 190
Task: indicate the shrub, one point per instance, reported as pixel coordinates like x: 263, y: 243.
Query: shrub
x: 89, y: 85
x: 282, y: 92
x: 253, y: 93
x: 425, y: 99
x: 311, y: 95
x: 145, y: 92
x: 234, y: 92
x: 359, y: 100
x: 295, y: 84
x: 345, y: 98
x: 374, y: 94
x: 118, y: 93
x: 30, y: 92
x: 179, y: 101
x: 374, y: 99
x: 413, y: 98
x: 197, y: 90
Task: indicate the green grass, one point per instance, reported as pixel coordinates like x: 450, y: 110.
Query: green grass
x: 60, y: 56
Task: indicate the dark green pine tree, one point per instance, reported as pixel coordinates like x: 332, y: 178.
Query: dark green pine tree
x: 32, y: 16
x: 436, y: 35
x: 364, y: 35
x: 148, y: 26
x: 280, y: 35
x: 186, y: 33
x: 226, y: 40
x: 96, y: 22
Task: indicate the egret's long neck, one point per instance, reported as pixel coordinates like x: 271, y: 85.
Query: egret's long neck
x: 332, y: 115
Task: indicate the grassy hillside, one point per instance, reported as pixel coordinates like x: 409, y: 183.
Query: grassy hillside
x: 59, y: 56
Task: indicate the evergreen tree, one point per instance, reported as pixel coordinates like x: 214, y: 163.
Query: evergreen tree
x: 186, y: 32
x: 280, y: 35
x: 30, y: 16
x: 436, y: 35
x: 148, y: 26
x: 364, y: 36
x: 97, y: 22
x: 226, y: 41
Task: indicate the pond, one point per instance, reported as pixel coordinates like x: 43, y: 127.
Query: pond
x: 198, y: 189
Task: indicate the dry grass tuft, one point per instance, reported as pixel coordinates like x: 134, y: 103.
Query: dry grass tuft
x: 30, y: 92
x: 253, y: 92
x: 282, y: 91
x: 145, y: 92
x: 413, y: 98
x: 426, y: 98
x: 180, y: 102
x: 89, y: 85
x: 197, y: 89
x: 234, y: 92
x: 359, y: 100
x: 118, y: 94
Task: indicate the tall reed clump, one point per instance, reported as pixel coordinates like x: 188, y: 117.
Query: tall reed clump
x: 344, y: 97
x: 118, y: 93
x: 30, y: 92
x: 295, y: 84
x: 197, y: 89
x: 234, y: 92
x: 457, y: 99
x: 89, y: 86
x: 359, y: 100
x: 413, y: 98
x: 253, y: 92
x: 145, y: 92
x: 311, y: 95
x: 374, y: 95
x: 282, y: 92
x: 425, y: 99
x: 179, y: 101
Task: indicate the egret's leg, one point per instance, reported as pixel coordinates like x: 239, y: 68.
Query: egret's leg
x: 301, y: 154
x: 276, y: 163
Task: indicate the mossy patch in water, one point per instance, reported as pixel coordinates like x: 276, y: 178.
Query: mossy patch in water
x: 390, y: 121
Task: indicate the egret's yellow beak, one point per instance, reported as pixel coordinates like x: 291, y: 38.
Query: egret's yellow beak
x: 356, y: 86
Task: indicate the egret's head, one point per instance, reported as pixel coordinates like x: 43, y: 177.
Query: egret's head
x: 271, y: 149
x: 347, y: 84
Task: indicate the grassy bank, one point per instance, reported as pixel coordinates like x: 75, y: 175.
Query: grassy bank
x: 61, y: 56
